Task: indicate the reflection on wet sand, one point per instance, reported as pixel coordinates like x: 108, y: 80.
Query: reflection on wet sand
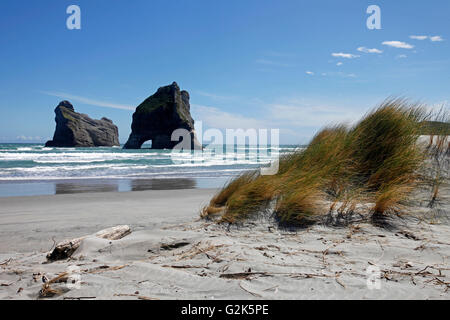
x: 162, y: 184
x: 51, y: 187
x: 85, y: 187
x: 122, y: 185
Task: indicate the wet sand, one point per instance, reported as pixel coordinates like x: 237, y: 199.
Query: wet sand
x: 17, y: 188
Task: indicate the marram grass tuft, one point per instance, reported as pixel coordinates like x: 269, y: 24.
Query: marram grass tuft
x: 376, y: 161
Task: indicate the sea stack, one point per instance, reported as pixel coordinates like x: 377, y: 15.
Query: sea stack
x: 159, y: 116
x: 78, y: 130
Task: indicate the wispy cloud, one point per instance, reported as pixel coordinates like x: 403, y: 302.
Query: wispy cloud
x: 89, y: 101
x: 398, y: 44
x: 300, y: 114
x: 214, y: 96
x: 310, y: 73
x: 401, y: 56
x: 216, y: 118
x: 344, y: 55
x: 418, y: 37
x: 297, y: 118
x: 368, y: 50
x: 339, y: 74
x: 282, y: 113
x: 339, y: 64
x: 432, y: 38
x: 436, y: 38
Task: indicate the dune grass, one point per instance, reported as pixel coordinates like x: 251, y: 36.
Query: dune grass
x: 376, y: 161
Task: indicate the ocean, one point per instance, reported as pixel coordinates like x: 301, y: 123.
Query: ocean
x: 32, y: 169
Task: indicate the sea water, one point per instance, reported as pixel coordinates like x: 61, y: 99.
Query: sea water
x: 33, y: 169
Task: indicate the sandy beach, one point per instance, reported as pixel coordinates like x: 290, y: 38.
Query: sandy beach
x: 172, y: 254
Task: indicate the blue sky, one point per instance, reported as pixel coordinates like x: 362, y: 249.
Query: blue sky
x: 293, y: 65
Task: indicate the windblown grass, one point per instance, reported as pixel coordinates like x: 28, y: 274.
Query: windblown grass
x: 377, y: 161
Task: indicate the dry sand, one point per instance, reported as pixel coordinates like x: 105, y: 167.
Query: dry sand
x: 171, y: 254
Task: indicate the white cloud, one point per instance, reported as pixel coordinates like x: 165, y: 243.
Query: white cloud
x: 215, y: 118
x: 436, y: 38
x: 401, y: 56
x: 339, y: 74
x: 418, y: 37
x: 432, y: 38
x: 368, y: 50
x: 344, y: 55
x: 339, y: 64
x: 310, y: 73
x: 214, y: 96
x: 398, y: 44
x: 88, y: 101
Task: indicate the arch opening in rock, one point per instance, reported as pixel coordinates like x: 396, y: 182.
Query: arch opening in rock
x: 147, y: 144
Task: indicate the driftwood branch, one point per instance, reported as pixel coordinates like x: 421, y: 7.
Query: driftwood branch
x: 66, y: 248
x: 114, y: 233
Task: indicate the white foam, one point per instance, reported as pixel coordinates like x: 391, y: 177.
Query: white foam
x: 72, y: 157
x: 70, y: 163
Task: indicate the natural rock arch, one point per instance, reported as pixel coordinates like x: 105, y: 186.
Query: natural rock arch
x: 159, y: 116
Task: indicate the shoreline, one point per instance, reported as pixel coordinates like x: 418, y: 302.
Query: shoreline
x: 41, y: 187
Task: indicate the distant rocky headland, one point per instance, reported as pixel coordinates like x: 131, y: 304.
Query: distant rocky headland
x: 74, y: 129
x: 159, y: 116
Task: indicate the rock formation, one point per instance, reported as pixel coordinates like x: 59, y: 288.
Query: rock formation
x: 158, y: 116
x: 78, y: 130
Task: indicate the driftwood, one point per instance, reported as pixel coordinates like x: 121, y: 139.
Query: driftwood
x: 66, y: 248
x: 114, y: 233
x: 47, y: 291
